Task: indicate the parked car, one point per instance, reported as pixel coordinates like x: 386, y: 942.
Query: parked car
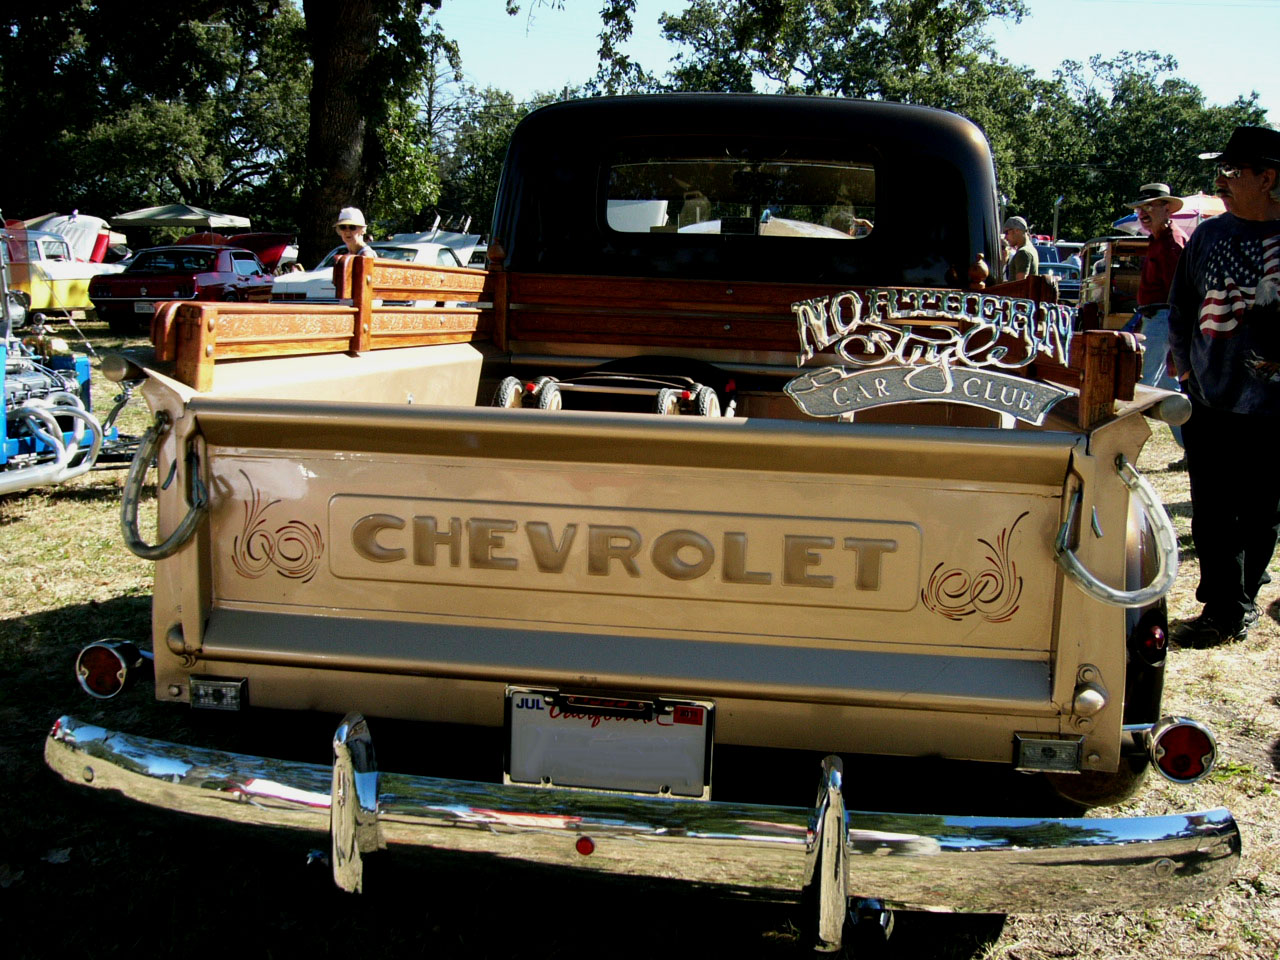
x: 1045, y: 248
x: 43, y: 272
x: 180, y: 272
x: 1068, y: 249
x: 316, y: 286
x: 273, y: 249
x: 1066, y: 276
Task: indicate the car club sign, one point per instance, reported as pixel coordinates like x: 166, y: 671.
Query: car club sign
x: 915, y: 345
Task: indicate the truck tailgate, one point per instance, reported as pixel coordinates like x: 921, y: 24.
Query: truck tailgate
x: 835, y: 563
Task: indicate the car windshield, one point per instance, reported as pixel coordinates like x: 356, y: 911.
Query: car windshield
x: 172, y: 261
x: 728, y: 195
x: 385, y: 251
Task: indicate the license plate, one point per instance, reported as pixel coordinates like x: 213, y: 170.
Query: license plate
x: 655, y: 745
x: 140, y: 306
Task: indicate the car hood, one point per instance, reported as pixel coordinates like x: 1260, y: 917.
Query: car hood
x: 307, y: 284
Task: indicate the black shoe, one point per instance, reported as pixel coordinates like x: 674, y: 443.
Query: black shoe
x: 1205, y: 631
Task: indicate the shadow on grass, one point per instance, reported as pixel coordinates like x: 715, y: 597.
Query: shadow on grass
x: 180, y: 885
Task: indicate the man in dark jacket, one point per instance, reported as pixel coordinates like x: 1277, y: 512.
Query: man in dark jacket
x: 1224, y: 333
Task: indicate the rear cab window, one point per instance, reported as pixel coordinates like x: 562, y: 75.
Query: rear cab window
x: 742, y: 196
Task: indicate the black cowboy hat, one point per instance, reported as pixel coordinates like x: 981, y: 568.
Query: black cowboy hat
x: 1249, y: 145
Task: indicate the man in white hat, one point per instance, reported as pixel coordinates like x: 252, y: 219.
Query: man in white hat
x: 1155, y: 207
x: 351, y: 228
x: 1023, y: 259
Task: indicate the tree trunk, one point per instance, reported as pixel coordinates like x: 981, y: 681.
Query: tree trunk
x: 342, y: 36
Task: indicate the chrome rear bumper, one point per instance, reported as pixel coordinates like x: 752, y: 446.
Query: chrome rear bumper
x: 910, y: 861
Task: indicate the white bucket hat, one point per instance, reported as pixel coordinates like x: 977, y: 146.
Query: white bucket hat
x: 350, y: 217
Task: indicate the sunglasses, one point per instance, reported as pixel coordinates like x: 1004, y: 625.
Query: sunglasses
x: 347, y: 226
x: 1230, y: 171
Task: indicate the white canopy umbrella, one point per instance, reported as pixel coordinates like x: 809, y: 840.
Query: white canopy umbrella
x: 179, y: 215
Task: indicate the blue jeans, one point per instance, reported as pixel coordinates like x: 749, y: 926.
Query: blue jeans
x: 1155, y: 358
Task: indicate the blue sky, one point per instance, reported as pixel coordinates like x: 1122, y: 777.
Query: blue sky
x: 1226, y: 47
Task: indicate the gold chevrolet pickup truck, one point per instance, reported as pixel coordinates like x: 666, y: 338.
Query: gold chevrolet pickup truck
x: 735, y: 449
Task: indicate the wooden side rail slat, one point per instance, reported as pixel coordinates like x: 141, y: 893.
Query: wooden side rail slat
x: 200, y: 334
x: 644, y: 312
x: 366, y: 278
x: 656, y: 312
x: 655, y: 292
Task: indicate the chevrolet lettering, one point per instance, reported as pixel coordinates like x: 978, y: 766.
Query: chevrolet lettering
x: 831, y: 562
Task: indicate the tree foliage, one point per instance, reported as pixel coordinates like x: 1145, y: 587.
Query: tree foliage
x: 1090, y: 135
x: 370, y: 58
x: 473, y: 166
x: 286, y: 110
x: 871, y: 49
x: 113, y: 106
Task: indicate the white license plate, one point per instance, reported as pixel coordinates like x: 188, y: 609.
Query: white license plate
x: 660, y: 746
x: 140, y: 306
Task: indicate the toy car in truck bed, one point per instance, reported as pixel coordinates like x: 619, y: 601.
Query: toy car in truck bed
x: 532, y: 511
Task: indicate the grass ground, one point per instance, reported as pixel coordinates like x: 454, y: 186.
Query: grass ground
x: 80, y: 875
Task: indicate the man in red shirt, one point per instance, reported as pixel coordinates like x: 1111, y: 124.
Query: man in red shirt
x: 1155, y: 208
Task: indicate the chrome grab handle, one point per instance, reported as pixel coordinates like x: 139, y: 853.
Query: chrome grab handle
x: 1166, y: 539
x: 197, y: 496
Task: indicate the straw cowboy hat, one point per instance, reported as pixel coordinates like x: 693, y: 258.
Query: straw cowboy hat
x: 1153, y: 192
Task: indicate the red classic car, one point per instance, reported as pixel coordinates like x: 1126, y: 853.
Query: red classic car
x: 180, y: 272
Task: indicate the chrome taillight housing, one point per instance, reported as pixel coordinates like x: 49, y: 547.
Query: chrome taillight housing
x: 1183, y: 750
x: 105, y: 668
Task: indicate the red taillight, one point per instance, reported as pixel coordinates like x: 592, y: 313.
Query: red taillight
x: 101, y: 670
x: 106, y: 667
x: 1183, y: 751
x: 1154, y: 640
x: 1149, y: 641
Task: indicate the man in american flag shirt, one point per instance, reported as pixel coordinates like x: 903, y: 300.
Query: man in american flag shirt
x: 1224, y: 333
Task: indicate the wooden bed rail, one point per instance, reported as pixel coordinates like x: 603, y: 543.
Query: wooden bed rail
x: 647, y: 313
x: 196, y: 335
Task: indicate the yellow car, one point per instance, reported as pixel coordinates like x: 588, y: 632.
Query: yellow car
x: 41, y: 266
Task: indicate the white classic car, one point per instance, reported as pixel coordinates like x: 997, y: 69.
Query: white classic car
x: 316, y: 286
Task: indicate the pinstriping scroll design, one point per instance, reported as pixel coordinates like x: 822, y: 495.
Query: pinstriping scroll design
x: 992, y: 593
x: 294, y: 548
